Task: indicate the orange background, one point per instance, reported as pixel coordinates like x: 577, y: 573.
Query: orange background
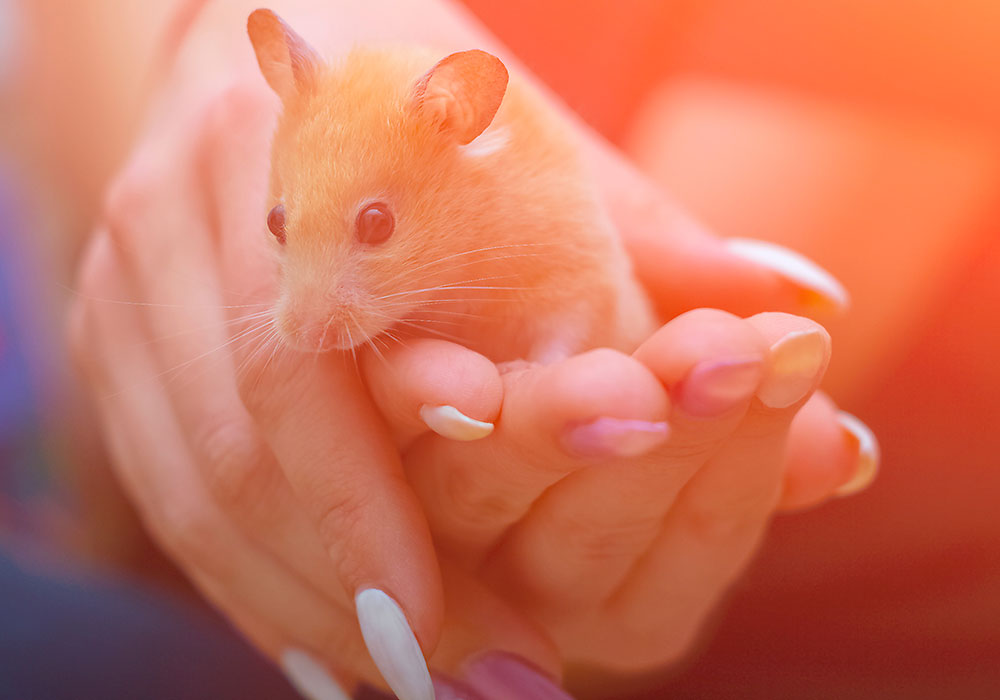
x: 866, y: 134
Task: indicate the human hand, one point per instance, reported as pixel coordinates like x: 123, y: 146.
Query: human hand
x: 252, y: 483
x: 620, y: 496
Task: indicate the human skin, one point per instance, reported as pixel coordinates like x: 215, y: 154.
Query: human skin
x: 255, y: 482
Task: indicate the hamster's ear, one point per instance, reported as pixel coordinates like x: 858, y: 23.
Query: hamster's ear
x: 288, y: 63
x: 462, y: 93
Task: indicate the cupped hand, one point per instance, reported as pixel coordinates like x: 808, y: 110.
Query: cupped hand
x: 266, y: 474
x: 270, y: 476
x: 619, y: 496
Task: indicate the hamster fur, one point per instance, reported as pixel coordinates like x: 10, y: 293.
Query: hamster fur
x: 497, y: 239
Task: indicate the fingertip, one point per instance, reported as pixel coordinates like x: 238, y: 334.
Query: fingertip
x: 817, y: 288
x: 393, y: 646
x: 449, y: 422
x: 799, y: 353
x: 437, y: 385
x: 711, y: 361
x: 830, y: 453
x: 869, y: 457
x: 587, y: 389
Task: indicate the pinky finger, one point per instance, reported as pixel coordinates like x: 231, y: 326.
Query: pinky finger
x: 311, y: 678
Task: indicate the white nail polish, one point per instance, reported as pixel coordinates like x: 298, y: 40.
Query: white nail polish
x: 451, y: 423
x: 796, y: 359
x: 392, y: 645
x: 795, y: 267
x: 868, y: 455
x: 309, y: 678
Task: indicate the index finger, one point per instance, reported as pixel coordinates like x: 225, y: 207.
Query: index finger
x: 333, y: 449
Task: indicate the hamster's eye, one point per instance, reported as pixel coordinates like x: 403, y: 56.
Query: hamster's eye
x: 375, y: 223
x: 276, y: 223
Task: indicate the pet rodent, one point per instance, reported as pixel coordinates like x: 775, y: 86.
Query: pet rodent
x: 417, y: 196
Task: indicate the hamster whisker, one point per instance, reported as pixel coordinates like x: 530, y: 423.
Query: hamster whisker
x: 449, y: 287
x: 224, y: 324
x: 373, y: 344
x: 172, y: 373
x: 413, y: 319
x: 124, y: 302
x: 272, y: 338
x: 473, y: 252
x: 449, y: 312
x: 262, y: 342
x: 424, y: 329
x: 433, y: 302
x: 408, y: 274
x: 350, y: 339
x: 326, y: 329
x: 241, y: 336
x: 279, y: 347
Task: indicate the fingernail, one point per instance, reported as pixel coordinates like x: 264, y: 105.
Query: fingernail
x: 860, y: 435
x: 309, y: 678
x: 817, y: 285
x: 796, y: 359
x: 615, y: 437
x: 392, y: 645
x: 451, y: 423
x: 448, y: 688
x: 503, y: 676
x: 713, y: 387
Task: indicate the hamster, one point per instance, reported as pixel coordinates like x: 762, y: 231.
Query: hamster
x: 420, y: 195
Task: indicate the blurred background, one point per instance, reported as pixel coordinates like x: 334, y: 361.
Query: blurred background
x: 864, y: 134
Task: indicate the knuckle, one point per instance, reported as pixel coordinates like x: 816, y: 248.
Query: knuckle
x: 342, y: 519
x: 235, y: 464
x: 228, y: 109
x: 96, y: 268
x: 189, y: 529
x: 733, y: 519
x: 473, y: 505
x: 596, y: 542
x: 129, y: 196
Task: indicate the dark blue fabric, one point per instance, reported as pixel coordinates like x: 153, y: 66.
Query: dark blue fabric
x: 77, y: 636
x: 17, y: 385
x: 70, y: 635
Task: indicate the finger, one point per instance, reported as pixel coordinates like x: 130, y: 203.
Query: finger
x: 556, y: 419
x: 430, y: 384
x: 830, y: 453
x: 151, y: 457
x: 721, y: 513
x: 237, y: 149
x: 312, y: 678
x: 159, y: 207
x: 683, y: 266
x: 479, y: 621
x: 339, y: 461
x: 580, y: 539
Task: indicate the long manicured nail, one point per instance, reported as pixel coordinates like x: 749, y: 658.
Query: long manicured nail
x: 796, y: 359
x: 309, y: 678
x: 503, y: 676
x: 392, y: 645
x: 615, y: 437
x: 868, y: 454
x: 817, y: 284
x: 451, y: 423
x: 713, y: 387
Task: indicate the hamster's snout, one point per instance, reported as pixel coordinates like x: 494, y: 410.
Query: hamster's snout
x: 321, y: 324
